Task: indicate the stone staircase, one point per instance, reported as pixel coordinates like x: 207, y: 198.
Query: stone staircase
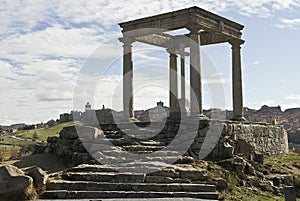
x: 139, y: 173
x: 100, y: 181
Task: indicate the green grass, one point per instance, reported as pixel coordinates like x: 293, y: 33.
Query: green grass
x: 7, y: 151
x: 16, y: 142
x: 281, y: 159
x: 249, y: 195
x: 44, y: 133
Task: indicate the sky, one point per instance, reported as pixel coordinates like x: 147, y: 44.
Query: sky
x: 57, y: 55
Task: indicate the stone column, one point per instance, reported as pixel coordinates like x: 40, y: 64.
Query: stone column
x: 128, y: 111
x: 182, y: 71
x: 173, y: 83
x: 195, y: 73
x: 237, y: 89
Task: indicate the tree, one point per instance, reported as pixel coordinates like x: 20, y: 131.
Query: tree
x: 35, y: 135
x: 51, y: 122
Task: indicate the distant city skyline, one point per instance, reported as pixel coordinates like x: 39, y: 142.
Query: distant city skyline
x: 44, y: 46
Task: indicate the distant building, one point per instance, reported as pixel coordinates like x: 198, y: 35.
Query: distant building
x: 270, y: 110
x: 65, y: 117
x: 88, y: 106
x: 76, y: 115
x: 158, y: 113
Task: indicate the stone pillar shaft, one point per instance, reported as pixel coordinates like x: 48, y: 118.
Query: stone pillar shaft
x: 237, y: 89
x: 182, y: 71
x: 173, y: 82
x: 127, y: 79
x: 195, y: 74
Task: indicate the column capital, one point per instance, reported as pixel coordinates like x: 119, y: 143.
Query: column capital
x: 236, y: 43
x: 127, y: 40
x: 193, y: 28
x: 172, y: 52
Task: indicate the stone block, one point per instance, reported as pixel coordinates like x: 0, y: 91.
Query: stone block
x: 13, y: 182
x: 39, y: 177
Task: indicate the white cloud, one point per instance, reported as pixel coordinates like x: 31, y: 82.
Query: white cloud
x: 44, y: 43
x: 293, y: 97
x: 285, y: 5
x: 289, y: 106
x: 289, y: 23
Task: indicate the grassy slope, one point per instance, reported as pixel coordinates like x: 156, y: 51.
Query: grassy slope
x: 281, y: 161
x: 7, y: 151
x: 44, y: 133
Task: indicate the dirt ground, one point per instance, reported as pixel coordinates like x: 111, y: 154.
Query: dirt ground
x: 48, y: 162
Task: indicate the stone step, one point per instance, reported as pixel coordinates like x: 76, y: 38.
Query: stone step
x: 66, y: 194
x: 123, y: 142
x: 91, y: 168
x: 98, y: 186
x: 113, y: 177
x: 139, y: 148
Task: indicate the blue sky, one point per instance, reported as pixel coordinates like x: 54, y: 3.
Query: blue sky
x: 44, y: 46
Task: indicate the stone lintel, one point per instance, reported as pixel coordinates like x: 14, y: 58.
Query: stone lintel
x: 183, y: 18
x: 164, y: 40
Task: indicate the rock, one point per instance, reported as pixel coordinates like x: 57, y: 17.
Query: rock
x: 77, y: 146
x: 14, y: 183
x: 249, y: 169
x: 39, y: 177
x: 69, y: 133
x: 288, y: 180
x: 242, y: 183
x: 193, y: 174
x: 81, y: 158
x: 277, y: 181
x: 289, y: 193
x: 221, y: 184
x: 88, y: 132
x: 165, y: 173
x: 74, y: 132
x: 39, y: 148
x: 185, y: 160
x: 266, y: 186
x: 228, y: 150
x: 158, y: 179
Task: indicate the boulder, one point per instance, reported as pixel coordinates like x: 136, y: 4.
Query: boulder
x: 39, y: 177
x: 69, y: 133
x: 15, y: 185
x: 74, y: 132
x: 221, y: 184
x: 88, y: 132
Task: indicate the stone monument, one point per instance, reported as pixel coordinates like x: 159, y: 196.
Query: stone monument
x: 205, y: 28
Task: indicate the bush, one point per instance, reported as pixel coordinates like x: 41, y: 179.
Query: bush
x: 35, y: 135
x: 1, y: 155
x: 14, y: 153
x: 27, y: 149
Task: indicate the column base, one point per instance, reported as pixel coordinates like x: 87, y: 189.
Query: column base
x: 129, y: 119
x: 198, y: 116
x: 184, y: 106
x: 238, y: 118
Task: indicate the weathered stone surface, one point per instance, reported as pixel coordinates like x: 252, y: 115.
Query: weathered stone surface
x: 39, y: 177
x: 86, y: 132
x: 221, y: 184
x: 69, y: 133
x: 168, y: 172
x: 193, y: 174
x: 251, y: 140
x: 214, y: 140
x: 14, y: 182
